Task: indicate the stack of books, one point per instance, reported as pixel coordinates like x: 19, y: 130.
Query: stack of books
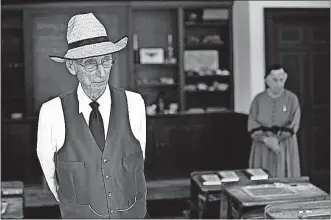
x: 257, y: 174
x: 228, y: 176
x: 210, y: 180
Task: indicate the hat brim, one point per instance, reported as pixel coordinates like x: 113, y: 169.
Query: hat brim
x: 92, y: 50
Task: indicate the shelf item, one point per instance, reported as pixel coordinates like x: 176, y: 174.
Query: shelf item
x: 215, y: 14
x: 208, y: 40
x: 170, y: 52
x: 207, y: 73
x: 157, y: 85
x: 157, y: 64
x: 197, y: 60
x: 151, y: 55
x: 136, y: 55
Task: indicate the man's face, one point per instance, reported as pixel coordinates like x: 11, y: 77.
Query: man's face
x: 94, y: 72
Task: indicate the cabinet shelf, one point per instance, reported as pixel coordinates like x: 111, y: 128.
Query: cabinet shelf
x: 156, y: 64
x: 203, y: 46
x: 208, y: 77
x: 162, y: 85
x: 207, y: 92
x: 218, y: 23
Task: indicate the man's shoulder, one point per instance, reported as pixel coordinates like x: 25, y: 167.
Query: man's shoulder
x: 65, y: 94
x: 52, y: 104
x: 135, y: 100
x: 133, y: 95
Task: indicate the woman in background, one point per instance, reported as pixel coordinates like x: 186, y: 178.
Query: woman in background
x: 273, y: 123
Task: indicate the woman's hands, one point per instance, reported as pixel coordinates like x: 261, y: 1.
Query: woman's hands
x: 273, y: 143
x: 284, y: 135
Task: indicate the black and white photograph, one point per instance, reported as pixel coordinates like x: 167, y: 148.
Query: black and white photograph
x: 165, y: 109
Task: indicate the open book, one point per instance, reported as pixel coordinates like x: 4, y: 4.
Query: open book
x: 210, y: 179
x: 256, y: 174
x: 228, y: 176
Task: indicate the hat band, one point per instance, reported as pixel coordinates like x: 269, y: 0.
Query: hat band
x: 89, y: 41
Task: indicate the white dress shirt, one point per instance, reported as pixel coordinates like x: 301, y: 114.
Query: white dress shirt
x: 51, y: 126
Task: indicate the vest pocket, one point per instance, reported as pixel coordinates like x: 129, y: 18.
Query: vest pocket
x: 82, y: 211
x: 133, y: 161
x: 136, y: 207
x: 66, y: 178
x: 69, y: 165
x: 133, y: 203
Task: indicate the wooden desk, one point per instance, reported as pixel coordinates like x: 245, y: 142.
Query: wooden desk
x: 202, y: 195
x: 12, y: 193
x: 244, y: 199
x: 12, y: 188
x: 14, y: 209
x: 317, y: 209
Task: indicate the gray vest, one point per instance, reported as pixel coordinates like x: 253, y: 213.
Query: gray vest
x: 95, y: 184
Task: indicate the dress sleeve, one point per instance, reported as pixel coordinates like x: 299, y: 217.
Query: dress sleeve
x: 294, y: 121
x: 253, y: 126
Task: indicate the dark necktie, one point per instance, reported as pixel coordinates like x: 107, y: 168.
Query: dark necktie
x: 96, y: 125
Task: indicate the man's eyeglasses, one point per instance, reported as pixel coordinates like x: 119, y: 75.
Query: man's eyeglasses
x: 91, y: 64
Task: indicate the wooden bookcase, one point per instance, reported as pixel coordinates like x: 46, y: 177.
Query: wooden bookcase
x: 156, y: 82
x: 12, y: 60
x: 193, y: 30
x: 207, y: 89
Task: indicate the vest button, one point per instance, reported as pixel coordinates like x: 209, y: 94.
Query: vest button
x: 107, y: 177
x: 109, y: 194
x: 105, y: 160
x: 112, y: 211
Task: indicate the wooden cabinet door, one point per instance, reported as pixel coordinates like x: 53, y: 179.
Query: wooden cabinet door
x: 300, y: 41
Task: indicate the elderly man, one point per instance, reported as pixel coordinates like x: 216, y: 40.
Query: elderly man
x: 91, y: 140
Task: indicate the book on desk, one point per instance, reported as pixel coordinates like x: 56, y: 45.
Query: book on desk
x: 228, y: 176
x: 256, y: 174
x: 219, y: 177
x: 210, y: 180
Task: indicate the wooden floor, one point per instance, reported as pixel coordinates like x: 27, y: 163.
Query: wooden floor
x: 36, y: 196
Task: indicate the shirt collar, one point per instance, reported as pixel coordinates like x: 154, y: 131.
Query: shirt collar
x: 84, y: 101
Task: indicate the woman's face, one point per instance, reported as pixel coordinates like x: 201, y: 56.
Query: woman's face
x: 276, y: 80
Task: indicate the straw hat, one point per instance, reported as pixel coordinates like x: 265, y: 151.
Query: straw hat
x: 87, y: 37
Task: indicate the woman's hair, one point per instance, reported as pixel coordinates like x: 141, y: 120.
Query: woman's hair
x: 273, y: 67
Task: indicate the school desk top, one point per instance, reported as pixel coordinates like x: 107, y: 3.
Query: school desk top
x: 12, y: 188
x: 317, y: 209
x: 274, y: 193
x: 12, y: 199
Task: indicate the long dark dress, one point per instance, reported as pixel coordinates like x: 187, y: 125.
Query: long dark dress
x: 283, y: 111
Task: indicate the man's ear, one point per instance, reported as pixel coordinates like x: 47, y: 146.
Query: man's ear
x: 71, y: 67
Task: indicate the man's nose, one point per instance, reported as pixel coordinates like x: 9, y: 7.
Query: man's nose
x: 101, y: 71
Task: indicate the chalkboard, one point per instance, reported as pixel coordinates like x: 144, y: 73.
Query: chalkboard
x: 49, y: 33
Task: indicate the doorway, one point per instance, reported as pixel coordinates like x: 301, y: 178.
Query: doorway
x: 299, y: 39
